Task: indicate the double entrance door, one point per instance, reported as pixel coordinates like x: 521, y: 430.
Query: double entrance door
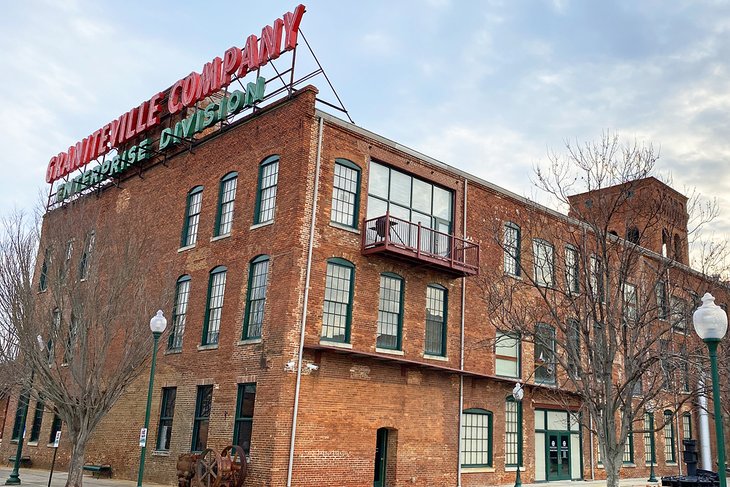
x: 558, y: 455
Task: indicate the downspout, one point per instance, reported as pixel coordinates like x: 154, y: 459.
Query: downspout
x: 705, y: 449
x: 676, y: 422
x: 461, y: 352
x: 590, y: 428
x: 290, y: 468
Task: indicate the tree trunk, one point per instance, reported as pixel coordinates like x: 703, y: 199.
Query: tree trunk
x: 612, y: 466
x: 76, y: 465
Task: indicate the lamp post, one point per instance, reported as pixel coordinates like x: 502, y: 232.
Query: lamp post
x: 710, y: 322
x: 157, y: 325
x: 652, y: 475
x: 518, y: 393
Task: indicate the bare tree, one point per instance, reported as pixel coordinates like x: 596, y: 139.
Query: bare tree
x: 607, y: 319
x: 75, y: 320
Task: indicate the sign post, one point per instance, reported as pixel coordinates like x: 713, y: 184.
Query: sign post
x: 56, y: 441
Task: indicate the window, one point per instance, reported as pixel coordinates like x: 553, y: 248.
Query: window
x: 413, y: 200
x: 346, y: 193
x: 512, y: 432
x: 544, y: 262
x: 244, y: 416
x: 69, y: 254
x: 258, y: 276
x: 669, y: 438
x: 50, y: 344
x: 507, y: 354
x: 665, y: 362
x: 55, y: 427
x: 203, y: 403
x: 544, y: 354
x: 338, y: 292
x: 435, y: 320
x: 35, y: 429
x: 167, y: 410
x: 574, y: 339
x: 43, y: 279
x: 390, y: 312
x: 512, y: 243
x: 597, y: 278
x: 686, y: 426
x: 179, y: 313
x: 649, y: 456
x: 631, y: 304
x: 85, y: 260
x: 68, y: 352
x: 214, y: 308
x: 678, y: 313
x: 632, y: 235
x: 17, y: 426
x: 572, y: 269
x: 476, y: 438
x: 628, y: 457
x: 266, y: 196
x: 226, y: 200
x: 662, y: 303
x: 192, y: 216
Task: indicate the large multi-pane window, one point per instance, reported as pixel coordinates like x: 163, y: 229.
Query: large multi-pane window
x: 669, y: 438
x: 35, y: 429
x: 512, y: 431
x: 574, y: 347
x: 17, y: 426
x: 203, y: 402
x: 192, y: 216
x: 544, y: 262
x: 662, y: 302
x: 686, y: 426
x: 244, y: 416
x: 507, y: 354
x: 596, y: 280
x: 337, y: 308
x: 258, y: 278
x: 226, y: 201
x: 511, y: 244
x: 648, y: 432
x: 572, y: 269
x: 678, y: 314
x: 179, y: 313
x: 43, y: 279
x: 266, y: 196
x: 411, y: 199
x: 85, y: 260
x: 167, y: 411
x: 390, y: 312
x: 544, y: 354
x: 435, y: 320
x: 55, y: 427
x: 346, y: 193
x: 214, y: 308
x: 628, y: 457
x: 476, y: 438
x: 631, y: 304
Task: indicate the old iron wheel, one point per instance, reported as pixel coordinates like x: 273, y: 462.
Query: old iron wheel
x: 238, y: 464
x: 208, y: 468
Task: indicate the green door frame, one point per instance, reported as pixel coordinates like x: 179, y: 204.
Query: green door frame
x: 561, y: 435
x: 381, y: 455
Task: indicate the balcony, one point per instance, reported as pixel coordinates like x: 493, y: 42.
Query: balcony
x: 415, y: 243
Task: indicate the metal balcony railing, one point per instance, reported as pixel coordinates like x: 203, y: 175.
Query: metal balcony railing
x: 414, y: 242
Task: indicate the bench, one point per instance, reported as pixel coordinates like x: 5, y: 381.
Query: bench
x: 24, y: 461
x: 99, y: 470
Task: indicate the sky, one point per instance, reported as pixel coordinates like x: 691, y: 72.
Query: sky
x: 486, y: 86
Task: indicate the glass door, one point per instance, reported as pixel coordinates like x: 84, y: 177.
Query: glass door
x: 558, y: 453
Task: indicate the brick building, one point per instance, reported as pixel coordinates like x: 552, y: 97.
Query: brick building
x: 278, y: 224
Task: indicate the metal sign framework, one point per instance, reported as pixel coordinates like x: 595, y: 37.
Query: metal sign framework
x: 289, y: 82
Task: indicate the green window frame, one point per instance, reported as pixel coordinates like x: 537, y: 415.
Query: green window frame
x: 628, y: 458
x: 201, y: 421
x: 226, y: 202
x: 572, y: 269
x: 243, y: 422
x: 662, y: 300
x: 436, y: 320
x: 669, y: 453
x: 476, y: 438
x: 23, y: 400
x: 574, y: 347
x: 56, y: 426
x: 544, y: 262
x: 512, y: 432
x: 512, y: 244
x: 649, y: 456
x: 390, y: 312
x: 596, y: 279
x: 545, y: 372
x: 346, y: 193
x: 631, y: 304
x: 179, y: 313
x: 43, y: 278
x: 35, y: 428
x: 339, y: 291
x: 507, y: 354
x: 687, y: 426
x: 266, y: 194
x: 85, y: 260
x: 258, y: 281
x: 214, y: 305
x: 167, y: 411
x: 193, y: 206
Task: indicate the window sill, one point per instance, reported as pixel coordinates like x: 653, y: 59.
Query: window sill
x: 389, y: 351
x: 42, y: 291
x: 212, y: 346
x: 513, y: 276
x: 670, y: 464
x: 50, y: 445
x: 477, y: 469
x: 32, y: 443
x: 513, y: 469
x: 344, y: 227
x: 440, y: 358
x: 628, y: 465
x: 187, y: 247
x: 249, y: 341
x: 259, y: 225
x: 220, y: 237
x: 330, y: 343
x: 173, y: 351
x: 160, y: 453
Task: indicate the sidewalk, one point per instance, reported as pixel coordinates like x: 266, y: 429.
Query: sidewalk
x: 588, y: 483
x: 39, y: 478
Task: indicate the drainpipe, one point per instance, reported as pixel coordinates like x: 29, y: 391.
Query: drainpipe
x: 461, y: 353
x: 590, y: 427
x: 679, y: 444
x: 290, y: 468
x: 705, y: 450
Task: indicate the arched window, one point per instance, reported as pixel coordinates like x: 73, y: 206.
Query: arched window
x: 512, y: 242
x: 678, y: 254
x: 632, y: 235
x: 346, y: 193
x: 436, y: 312
x: 665, y: 243
x: 390, y: 312
x: 476, y: 438
x: 669, y: 454
x: 338, y: 293
x: 214, y: 306
x: 258, y: 278
x: 179, y: 313
x: 226, y: 200
x: 266, y: 195
x: 192, y: 216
